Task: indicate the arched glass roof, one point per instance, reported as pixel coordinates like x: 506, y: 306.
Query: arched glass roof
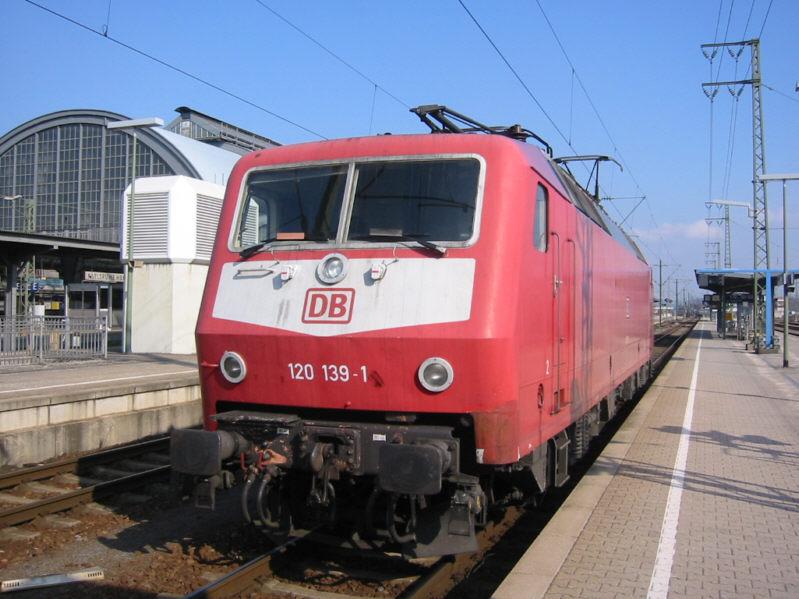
x: 63, y: 173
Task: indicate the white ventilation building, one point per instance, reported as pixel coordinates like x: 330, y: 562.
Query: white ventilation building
x: 174, y: 226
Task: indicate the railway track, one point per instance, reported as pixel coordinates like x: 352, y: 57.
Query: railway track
x: 793, y: 327
x: 244, y: 577
x: 671, y: 328
x: 29, y: 493
x: 667, y: 342
x: 436, y: 579
x: 433, y: 579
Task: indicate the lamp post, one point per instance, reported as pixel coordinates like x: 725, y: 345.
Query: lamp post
x: 133, y: 125
x: 784, y: 177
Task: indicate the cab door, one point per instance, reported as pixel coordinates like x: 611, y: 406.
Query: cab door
x: 563, y: 309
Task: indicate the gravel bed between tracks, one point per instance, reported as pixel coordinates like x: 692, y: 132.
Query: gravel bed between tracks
x: 162, y: 546
x: 166, y: 547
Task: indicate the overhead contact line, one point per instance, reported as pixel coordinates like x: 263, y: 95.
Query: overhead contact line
x: 177, y: 69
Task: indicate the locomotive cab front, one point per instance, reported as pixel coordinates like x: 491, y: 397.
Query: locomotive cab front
x: 336, y: 352
x: 396, y: 329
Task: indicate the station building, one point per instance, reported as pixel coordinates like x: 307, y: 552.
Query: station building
x: 63, y: 177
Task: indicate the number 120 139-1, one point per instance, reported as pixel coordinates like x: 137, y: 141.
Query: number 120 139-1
x: 334, y: 373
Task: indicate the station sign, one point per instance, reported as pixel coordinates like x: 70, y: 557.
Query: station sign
x: 711, y: 299
x: 714, y: 299
x: 103, y: 277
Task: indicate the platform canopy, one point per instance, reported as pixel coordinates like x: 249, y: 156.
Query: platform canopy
x: 731, y: 280
x: 735, y: 285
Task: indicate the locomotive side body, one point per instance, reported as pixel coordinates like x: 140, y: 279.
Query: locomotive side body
x: 435, y: 310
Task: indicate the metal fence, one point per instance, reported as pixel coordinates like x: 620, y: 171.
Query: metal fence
x: 39, y: 339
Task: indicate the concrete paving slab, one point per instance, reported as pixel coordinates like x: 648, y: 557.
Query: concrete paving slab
x: 701, y: 490
x: 56, y: 409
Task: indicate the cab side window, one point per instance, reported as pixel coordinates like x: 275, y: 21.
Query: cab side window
x: 541, y: 228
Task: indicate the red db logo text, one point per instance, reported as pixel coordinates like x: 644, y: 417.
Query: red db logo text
x: 328, y: 306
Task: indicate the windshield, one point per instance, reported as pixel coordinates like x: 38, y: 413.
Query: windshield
x: 432, y: 200
x: 302, y: 204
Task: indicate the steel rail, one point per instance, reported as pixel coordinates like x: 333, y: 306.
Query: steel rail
x: 242, y: 578
x: 793, y: 327
x: 668, y: 331
x: 64, y: 501
x: 438, y: 580
x: 438, y: 577
x: 660, y: 361
x: 74, y: 465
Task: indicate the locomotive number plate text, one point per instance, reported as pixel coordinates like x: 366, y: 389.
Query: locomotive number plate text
x: 333, y: 373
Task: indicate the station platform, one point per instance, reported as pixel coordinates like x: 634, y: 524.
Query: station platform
x: 697, y: 494
x: 57, y: 409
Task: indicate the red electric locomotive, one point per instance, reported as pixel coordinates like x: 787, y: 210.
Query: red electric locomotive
x: 397, y: 331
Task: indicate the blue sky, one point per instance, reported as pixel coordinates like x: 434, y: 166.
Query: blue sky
x: 640, y: 62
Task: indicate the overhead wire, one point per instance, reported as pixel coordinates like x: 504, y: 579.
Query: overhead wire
x: 372, y: 111
x: 749, y: 18
x: 516, y: 74
x: 718, y: 73
x: 175, y: 68
x: 630, y: 213
x: 765, y: 18
x: 730, y: 147
x: 602, y: 123
x: 350, y: 66
x: 710, y: 136
x: 731, y: 133
x: 734, y: 115
x: 733, y: 111
x: 726, y: 34
x: 718, y: 22
x: 778, y: 92
x: 522, y: 82
x: 588, y: 96
x: 715, y: 79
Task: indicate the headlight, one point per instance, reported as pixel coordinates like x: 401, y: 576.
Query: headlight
x: 435, y: 374
x: 233, y: 367
x: 332, y: 269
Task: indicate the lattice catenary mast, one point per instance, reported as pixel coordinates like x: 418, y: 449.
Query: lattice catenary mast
x: 762, y: 259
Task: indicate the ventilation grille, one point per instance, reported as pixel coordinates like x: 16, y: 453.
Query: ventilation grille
x: 208, y: 210
x: 151, y: 225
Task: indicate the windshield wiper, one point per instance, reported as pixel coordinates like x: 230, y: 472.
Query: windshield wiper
x: 262, y: 245
x: 401, y: 237
x: 254, y: 249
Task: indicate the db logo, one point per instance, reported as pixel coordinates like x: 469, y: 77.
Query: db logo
x: 328, y: 306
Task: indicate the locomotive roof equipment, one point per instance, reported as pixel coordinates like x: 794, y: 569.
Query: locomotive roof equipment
x: 441, y: 119
x: 596, y: 158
